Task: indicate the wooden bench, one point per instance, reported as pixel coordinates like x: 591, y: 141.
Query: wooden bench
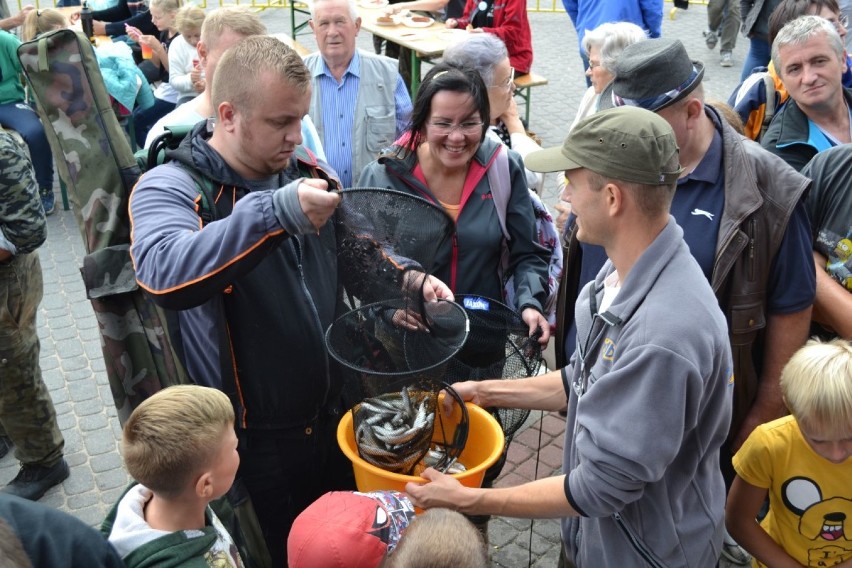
x: 522, y: 89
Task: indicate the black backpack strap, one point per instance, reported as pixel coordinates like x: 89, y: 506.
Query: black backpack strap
x: 206, y: 204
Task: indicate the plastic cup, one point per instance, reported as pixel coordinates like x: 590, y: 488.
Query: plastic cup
x: 147, y: 52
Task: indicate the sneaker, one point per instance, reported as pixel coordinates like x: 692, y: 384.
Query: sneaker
x: 33, y: 481
x: 710, y: 38
x: 48, y: 200
x: 734, y: 553
x: 5, y: 446
x: 727, y: 59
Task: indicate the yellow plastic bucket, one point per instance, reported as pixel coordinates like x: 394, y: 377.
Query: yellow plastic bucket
x: 484, y: 445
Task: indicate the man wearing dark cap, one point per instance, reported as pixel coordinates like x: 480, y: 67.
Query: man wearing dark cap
x: 648, y: 390
x: 742, y: 215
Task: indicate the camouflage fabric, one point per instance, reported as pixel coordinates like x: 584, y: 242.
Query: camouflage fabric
x: 93, y: 157
x: 27, y: 414
x: 21, y: 214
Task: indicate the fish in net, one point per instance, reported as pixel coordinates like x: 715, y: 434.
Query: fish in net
x: 400, y: 370
x: 397, y: 344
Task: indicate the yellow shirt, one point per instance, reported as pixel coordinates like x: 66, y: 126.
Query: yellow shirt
x: 810, y: 498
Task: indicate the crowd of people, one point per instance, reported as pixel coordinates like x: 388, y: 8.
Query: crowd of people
x: 703, y: 301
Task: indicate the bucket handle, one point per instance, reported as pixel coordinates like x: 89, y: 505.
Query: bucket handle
x: 461, y: 433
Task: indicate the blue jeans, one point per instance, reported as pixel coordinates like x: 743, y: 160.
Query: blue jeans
x: 759, y: 53
x: 21, y: 118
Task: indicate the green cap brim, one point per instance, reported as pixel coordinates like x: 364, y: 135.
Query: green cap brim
x: 550, y: 160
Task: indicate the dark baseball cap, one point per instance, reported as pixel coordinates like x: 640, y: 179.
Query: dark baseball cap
x: 652, y: 74
x: 625, y: 143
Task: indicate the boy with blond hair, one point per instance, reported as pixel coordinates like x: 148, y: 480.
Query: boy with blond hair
x: 803, y: 462
x: 180, y: 447
x: 439, y: 538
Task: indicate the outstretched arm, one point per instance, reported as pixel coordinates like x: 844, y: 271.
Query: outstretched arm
x: 183, y: 264
x: 539, y: 499
x: 543, y: 392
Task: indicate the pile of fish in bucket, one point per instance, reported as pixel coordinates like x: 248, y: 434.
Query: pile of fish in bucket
x: 394, y: 432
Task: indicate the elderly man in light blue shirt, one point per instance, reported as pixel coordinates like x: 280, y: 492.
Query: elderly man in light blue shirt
x: 359, y: 102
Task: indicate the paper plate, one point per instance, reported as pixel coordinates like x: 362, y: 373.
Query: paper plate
x: 411, y: 23
x: 373, y: 3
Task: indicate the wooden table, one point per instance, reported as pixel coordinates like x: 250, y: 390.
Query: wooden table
x: 424, y: 43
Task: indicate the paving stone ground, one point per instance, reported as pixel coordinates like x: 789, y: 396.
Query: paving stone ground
x: 73, y: 364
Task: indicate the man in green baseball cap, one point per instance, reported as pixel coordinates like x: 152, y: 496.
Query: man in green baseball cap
x: 620, y: 143
x: 743, y: 216
x: 628, y: 144
x: 649, y: 386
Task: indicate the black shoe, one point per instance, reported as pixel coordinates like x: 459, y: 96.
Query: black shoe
x: 5, y: 446
x: 33, y: 481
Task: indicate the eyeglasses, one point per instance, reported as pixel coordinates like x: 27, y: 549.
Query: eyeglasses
x: 447, y: 128
x: 510, y: 82
x: 842, y: 21
x: 593, y: 64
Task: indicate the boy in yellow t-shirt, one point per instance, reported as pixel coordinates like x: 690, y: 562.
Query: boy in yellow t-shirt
x: 803, y: 462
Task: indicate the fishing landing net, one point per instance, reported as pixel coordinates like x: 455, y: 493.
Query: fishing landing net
x: 400, y: 370
x: 386, y: 241
x: 498, y: 346
x: 397, y: 344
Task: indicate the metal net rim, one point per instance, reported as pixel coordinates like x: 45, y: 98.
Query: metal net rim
x: 399, y: 374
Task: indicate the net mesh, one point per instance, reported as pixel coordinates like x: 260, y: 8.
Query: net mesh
x: 499, y: 345
x: 400, y: 368
x: 397, y: 344
x: 383, y: 234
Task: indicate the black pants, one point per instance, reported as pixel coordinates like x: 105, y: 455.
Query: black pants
x: 287, y: 470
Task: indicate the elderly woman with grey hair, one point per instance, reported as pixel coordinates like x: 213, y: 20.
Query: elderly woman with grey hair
x: 603, y: 45
x: 487, y: 54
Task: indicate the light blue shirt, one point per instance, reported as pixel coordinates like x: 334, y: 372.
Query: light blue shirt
x: 338, y: 111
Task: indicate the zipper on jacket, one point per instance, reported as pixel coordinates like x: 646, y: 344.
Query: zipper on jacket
x: 454, y: 256
x: 751, y: 249
x: 637, y: 544
x: 454, y: 262
x: 297, y: 248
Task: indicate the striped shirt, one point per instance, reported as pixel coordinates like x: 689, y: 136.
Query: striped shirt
x: 338, y: 112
